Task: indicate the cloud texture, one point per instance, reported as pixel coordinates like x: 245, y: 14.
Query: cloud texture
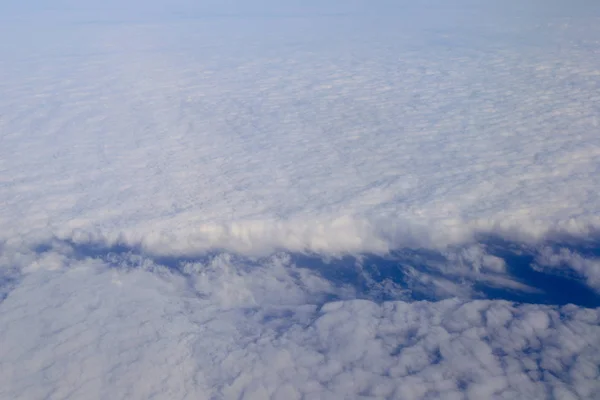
x: 299, y: 200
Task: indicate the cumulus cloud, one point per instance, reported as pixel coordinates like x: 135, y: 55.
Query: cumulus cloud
x: 261, y: 331
x: 571, y: 261
x: 275, y: 199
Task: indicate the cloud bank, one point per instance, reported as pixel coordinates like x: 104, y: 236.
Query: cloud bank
x: 265, y: 332
x: 299, y: 200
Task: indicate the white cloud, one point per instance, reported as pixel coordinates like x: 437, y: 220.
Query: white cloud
x: 92, y: 331
x: 587, y: 267
x: 128, y: 129
x: 163, y: 165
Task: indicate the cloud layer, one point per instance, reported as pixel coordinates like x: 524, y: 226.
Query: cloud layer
x: 231, y: 330
x: 299, y: 200
x: 173, y: 128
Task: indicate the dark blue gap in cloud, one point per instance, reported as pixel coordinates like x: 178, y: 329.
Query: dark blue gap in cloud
x: 391, y: 277
x: 369, y: 274
x: 384, y: 278
x: 559, y: 286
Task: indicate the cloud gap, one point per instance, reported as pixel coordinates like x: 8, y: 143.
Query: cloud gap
x: 403, y: 274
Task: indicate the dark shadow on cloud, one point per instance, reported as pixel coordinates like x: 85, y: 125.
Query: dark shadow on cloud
x: 390, y: 277
x: 7, y: 284
x: 9, y: 277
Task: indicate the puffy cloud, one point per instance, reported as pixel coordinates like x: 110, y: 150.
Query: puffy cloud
x: 252, y: 143
x: 587, y: 266
x: 255, y: 200
x: 231, y: 329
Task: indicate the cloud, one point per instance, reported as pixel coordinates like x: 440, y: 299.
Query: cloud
x: 587, y: 266
x: 254, y: 137
x: 298, y: 201
x: 231, y: 329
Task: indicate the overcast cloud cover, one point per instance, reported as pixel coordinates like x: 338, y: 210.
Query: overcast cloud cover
x: 299, y: 199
